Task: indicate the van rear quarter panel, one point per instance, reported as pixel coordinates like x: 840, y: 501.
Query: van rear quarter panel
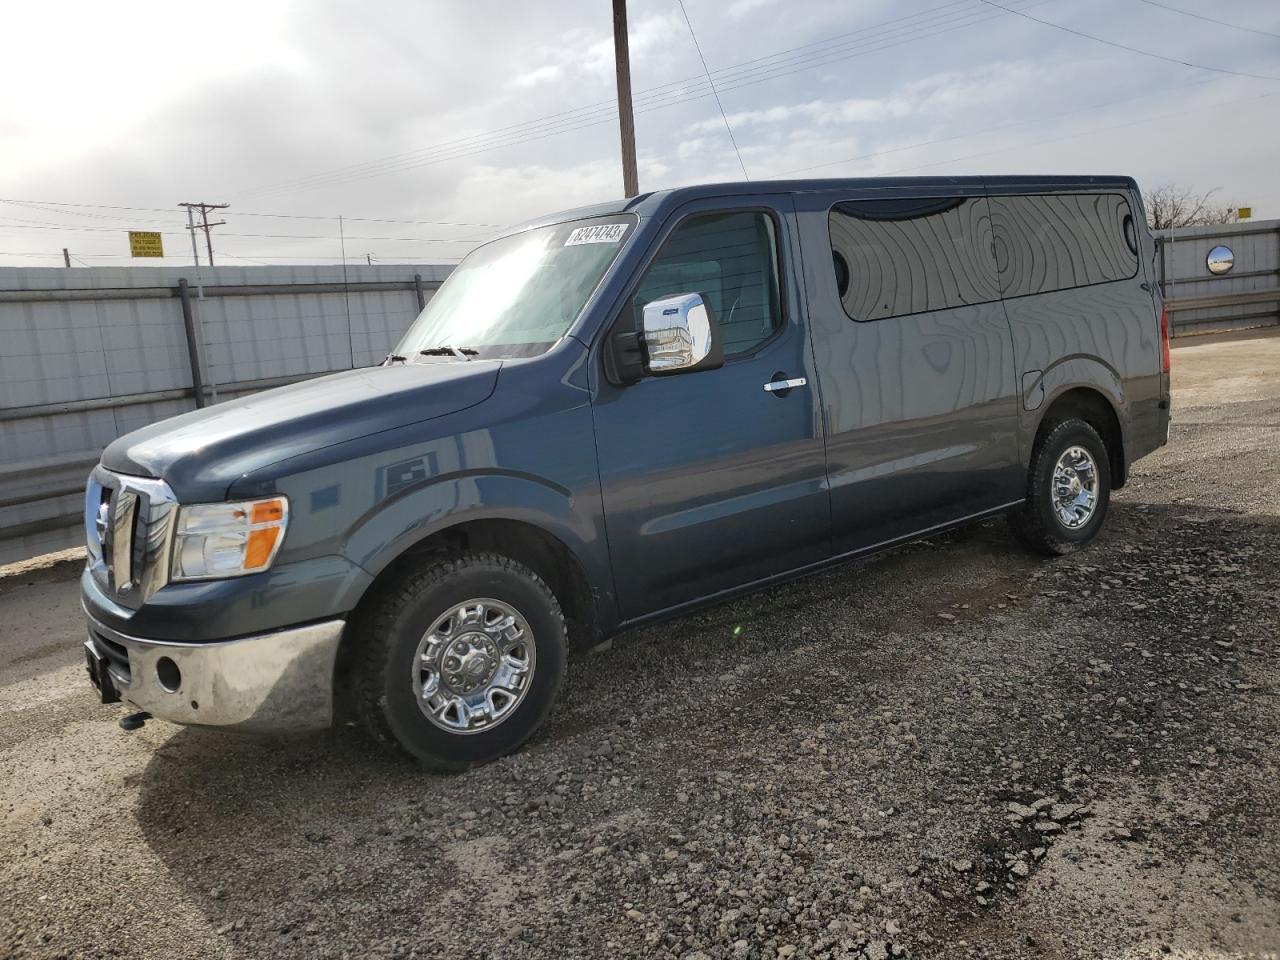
x: 1105, y: 336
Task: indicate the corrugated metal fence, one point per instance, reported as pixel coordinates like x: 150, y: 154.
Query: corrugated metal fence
x: 1247, y: 295
x: 87, y: 355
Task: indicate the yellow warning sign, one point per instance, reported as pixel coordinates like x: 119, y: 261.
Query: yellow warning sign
x: 144, y: 243
x: 1244, y: 213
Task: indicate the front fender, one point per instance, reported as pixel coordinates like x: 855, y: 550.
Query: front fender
x: 398, y: 524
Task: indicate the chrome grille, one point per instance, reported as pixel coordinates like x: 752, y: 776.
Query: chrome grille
x: 128, y: 531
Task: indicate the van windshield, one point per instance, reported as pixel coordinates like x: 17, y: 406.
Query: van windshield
x: 517, y: 296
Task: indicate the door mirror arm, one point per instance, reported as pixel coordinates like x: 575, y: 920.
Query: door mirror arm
x: 623, y: 358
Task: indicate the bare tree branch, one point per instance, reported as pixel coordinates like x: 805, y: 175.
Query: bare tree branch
x: 1171, y: 205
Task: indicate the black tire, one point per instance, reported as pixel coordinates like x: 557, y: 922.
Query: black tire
x: 1036, y: 523
x: 388, y: 638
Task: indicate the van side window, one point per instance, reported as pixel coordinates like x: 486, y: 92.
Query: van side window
x: 897, y: 257
x: 1062, y: 240
x: 732, y: 260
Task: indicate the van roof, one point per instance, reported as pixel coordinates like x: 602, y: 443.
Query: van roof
x: 661, y: 201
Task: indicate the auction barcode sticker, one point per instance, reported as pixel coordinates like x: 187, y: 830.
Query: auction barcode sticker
x: 601, y: 233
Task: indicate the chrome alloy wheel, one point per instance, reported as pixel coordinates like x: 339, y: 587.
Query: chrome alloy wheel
x: 474, y: 666
x: 1075, y: 487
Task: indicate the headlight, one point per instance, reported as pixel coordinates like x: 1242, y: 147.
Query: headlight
x: 214, y: 540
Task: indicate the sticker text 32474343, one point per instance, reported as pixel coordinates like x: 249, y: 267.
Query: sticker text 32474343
x: 600, y: 233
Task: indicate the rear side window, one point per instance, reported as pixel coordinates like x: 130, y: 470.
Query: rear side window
x: 1063, y: 240
x: 898, y: 257
x: 732, y: 260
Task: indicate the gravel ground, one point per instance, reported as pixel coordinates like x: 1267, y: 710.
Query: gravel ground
x: 952, y: 750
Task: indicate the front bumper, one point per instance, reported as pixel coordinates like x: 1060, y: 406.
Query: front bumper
x: 273, y: 682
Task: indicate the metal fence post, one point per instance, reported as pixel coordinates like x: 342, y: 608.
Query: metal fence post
x: 193, y: 352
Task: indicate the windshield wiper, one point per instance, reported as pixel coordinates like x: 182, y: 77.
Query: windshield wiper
x: 391, y: 358
x: 466, y: 353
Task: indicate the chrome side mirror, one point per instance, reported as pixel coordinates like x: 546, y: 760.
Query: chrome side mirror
x: 681, y: 335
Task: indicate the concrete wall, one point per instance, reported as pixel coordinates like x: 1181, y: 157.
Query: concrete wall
x: 1247, y: 296
x: 87, y: 355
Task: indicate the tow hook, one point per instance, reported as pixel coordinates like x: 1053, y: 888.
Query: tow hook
x: 134, y: 721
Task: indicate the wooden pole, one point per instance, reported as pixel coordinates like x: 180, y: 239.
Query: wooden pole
x: 626, y: 119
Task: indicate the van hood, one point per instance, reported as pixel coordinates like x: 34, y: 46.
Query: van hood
x: 201, y: 453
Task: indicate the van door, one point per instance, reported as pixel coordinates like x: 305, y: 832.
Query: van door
x: 715, y: 479
x: 914, y: 361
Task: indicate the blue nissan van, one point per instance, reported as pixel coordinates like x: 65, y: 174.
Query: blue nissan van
x: 617, y: 414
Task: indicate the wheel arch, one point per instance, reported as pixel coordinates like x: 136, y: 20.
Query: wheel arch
x: 1095, y: 407
x: 534, y: 522
x: 526, y: 542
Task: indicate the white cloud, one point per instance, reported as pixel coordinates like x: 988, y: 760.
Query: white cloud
x: 583, y: 52
x: 741, y: 8
x: 543, y: 74
x: 936, y: 94
x: 497, y: 118
x: 814, y: 111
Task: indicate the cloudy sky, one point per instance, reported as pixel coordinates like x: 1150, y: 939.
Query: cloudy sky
x: 428, y: 126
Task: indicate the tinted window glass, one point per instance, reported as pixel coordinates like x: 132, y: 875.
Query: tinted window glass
x: 909, y: 256
x: 1058, y: 241
x: 731, y: 259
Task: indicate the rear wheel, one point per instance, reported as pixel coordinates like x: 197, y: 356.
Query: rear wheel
x: 1068, y: 489
x: 461, y: 660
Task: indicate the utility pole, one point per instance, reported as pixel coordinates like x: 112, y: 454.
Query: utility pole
x: 626, y: 119
x: 191, y: 229
x: 66, y: 257
x: 204, y: 225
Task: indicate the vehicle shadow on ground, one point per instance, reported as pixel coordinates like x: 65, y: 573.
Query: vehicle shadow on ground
x: 334, y: 818
x: 322, y: 814
x: 214, y: 763
x: 208, y: 763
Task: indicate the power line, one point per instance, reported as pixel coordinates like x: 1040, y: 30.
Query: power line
x: 91, y: 216
x: 431, y: 223
x: 592, y: 110
x: 1122, y: 46
x: 989, y: 130
x: 778, y: 61
x: 1006, y: 149
x: 661, y: 101
x: 35, y: 225
x: 1127, y: 124
x: 697, y: 46
x: 257, y: 257
x: 1221, y: 23
x: 570, y: 121
x: 239, y: 213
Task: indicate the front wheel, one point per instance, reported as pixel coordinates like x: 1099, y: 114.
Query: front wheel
x: 1068, y: 490
x: 460, y: 662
